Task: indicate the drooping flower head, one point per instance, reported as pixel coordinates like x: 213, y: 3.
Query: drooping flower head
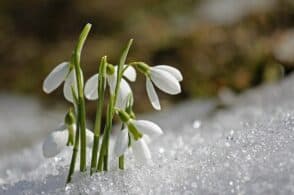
x: 139, y: 131
x: 165, y: 77
x: 57, y: 140
x: 63, y: 72
x: 63, y: 136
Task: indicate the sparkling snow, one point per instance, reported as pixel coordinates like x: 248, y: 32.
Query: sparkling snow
x: 246, y: 148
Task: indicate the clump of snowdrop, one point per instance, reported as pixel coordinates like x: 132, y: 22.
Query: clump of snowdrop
x: 110, y: 81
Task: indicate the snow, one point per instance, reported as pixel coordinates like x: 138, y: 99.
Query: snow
x: 246, y: 148
x: 23, y: 120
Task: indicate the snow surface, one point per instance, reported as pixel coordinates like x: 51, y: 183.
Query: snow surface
x: 246, y: 148
x: 23, y: 120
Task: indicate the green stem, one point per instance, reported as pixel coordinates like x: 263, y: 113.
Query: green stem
x: 121, y: 162
x: 108, y: 130
x: 103, y: 158
x: 97, y: 128
x: 74, y: 154
x: 77, y: 139
x: 122, y: 62
x: 81, y: 100
x: 101, y: 154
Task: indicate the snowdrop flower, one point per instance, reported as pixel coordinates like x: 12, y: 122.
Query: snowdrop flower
x: 166, y: 78
x: 140, y: 132
x: 146, y: 127
x: 58, y: 139
x: 91, y: 87
x: 139, y: 147
x: 61, y: 73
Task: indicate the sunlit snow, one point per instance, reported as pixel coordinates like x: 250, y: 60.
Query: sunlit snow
x: 246, y: 148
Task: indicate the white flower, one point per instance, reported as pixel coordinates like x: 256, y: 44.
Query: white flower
x: 147, y: 127
x: 123, y: 94
x: 167, y: 79
x: 139, y: 146
x: 122, y: 142
x: 141, y: 151
x: 60, y: 73
x: 91, y: 87
x: 70, y: 82
x: 56, y: 141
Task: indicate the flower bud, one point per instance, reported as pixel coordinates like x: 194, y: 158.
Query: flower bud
x: 110, y: 69
x: 143, y: 67
x: 69, y: 117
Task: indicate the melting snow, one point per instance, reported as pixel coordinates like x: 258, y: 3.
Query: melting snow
x: 245, y: 149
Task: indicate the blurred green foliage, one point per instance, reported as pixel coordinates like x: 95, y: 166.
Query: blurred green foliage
x: 36, y: 35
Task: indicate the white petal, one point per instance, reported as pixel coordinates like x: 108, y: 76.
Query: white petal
x: 121, y: 143
x: 89, y: 135
x: 70, y: 81
x: 153, y: 97
x: 146, y: 138
x: 61, y: 127
x: 55, y: 77
x: 111, y: 79
x: 165, y: 81
x: 123, y: 94
x: 141, y: 151
x: 173, y: 71
x: 91, y: 87
x: 147, y: 127
x: 54, y: 143
x: 130, y: 73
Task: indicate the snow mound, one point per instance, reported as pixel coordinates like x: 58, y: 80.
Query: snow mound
x: 245, y: 149
x: 23, y: 120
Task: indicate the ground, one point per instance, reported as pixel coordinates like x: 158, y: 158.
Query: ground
x: 244, y: 148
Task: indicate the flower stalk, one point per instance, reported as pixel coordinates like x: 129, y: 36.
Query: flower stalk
x: 103, y: 158
x: 76, y: 144
x: 81, y: 100
x: 97, y: 128
x: 129, y: 110
x: 74, y: 154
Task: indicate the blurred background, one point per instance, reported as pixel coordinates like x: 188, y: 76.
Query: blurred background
x: 221, y: 46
